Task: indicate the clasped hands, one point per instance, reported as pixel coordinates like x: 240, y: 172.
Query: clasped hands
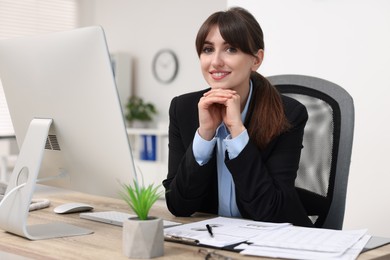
x: 217, y: 106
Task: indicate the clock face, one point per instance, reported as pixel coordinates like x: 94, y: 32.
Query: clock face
x: 165, y: 66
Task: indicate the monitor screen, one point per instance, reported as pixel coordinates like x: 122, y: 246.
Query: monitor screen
x: 67, y: 77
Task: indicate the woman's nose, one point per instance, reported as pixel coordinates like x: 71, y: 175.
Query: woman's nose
x: 217, y: 60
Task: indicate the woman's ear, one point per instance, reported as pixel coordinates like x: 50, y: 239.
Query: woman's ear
x: 258, y: 59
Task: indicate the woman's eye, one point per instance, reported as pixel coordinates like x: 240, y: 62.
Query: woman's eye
x: 232, y: 50
x: 207, y: 49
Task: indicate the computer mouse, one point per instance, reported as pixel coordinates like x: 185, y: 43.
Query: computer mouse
x: 72, y: 208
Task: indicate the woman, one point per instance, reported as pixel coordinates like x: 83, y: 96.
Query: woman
x: 234, y: 148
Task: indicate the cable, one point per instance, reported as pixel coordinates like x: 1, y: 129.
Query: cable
x: 12, y: 191
x: 35, y: 203
x: 39, y: 204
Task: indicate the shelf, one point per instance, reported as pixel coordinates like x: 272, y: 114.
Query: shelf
x: 152, y: 171
x: 161, y: 142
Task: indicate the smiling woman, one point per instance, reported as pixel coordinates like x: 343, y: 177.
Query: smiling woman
x: 234, y: 148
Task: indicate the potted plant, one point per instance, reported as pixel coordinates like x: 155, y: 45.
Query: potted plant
x: 142, y: 236
x: 139, y: 111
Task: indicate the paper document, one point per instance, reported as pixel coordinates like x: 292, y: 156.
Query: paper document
x: 226, y: 231
x: 315, y: 239
x: 271, y: 239
x: 277, y: 252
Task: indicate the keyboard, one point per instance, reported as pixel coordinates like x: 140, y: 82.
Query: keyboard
x: 116, y: 218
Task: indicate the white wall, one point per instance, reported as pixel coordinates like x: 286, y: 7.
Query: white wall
x: 142, y: 28
x: 346, y: 42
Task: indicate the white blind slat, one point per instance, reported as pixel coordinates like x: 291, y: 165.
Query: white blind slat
x: 6, y: 128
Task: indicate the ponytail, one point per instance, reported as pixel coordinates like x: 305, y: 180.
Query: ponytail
x: 268, y: 119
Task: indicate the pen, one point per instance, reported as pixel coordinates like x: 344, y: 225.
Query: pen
x: 210, y: 230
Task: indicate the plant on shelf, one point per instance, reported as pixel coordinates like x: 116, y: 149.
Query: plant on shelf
x: 139, y: 110
x: 143, y: 235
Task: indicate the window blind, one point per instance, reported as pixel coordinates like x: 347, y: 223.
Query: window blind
x: 31, y: 17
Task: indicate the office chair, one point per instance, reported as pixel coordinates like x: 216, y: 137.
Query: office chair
x: 325, y: 159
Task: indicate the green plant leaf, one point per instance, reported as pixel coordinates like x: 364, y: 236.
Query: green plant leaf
x: 140, y: 198
x: 137, y: 109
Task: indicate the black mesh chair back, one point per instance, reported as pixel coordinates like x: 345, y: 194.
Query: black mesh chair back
x: 325, y: 159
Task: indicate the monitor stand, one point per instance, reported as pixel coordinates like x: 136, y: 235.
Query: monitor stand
x: 14, y: 207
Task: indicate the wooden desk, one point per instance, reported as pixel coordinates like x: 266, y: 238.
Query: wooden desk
x: 106, y: 242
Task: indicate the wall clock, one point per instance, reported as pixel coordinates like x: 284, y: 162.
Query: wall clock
x: 165, y: 66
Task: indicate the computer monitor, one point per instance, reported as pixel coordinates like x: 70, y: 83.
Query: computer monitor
x: 67, y: 117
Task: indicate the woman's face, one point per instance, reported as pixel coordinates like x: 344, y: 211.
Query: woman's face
x: 224, y: 66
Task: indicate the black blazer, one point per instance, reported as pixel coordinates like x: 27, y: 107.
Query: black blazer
x: 264, y: 180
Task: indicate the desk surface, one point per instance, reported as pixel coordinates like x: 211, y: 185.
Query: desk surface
x: 106, y: 242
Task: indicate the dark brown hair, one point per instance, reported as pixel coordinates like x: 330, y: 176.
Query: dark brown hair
x: 240, y: 29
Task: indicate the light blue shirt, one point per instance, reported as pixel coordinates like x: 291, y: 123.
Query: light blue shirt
x: 203, y: 151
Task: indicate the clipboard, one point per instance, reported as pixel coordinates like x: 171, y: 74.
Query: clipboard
x: 195, y: 242
x: 186, y: 233
x: 250, y: 237
x: 182, y: 240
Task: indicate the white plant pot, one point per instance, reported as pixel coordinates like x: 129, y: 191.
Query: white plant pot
x: 143, y: 238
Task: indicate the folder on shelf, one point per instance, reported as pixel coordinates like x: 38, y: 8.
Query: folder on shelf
x: 148, y: 149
